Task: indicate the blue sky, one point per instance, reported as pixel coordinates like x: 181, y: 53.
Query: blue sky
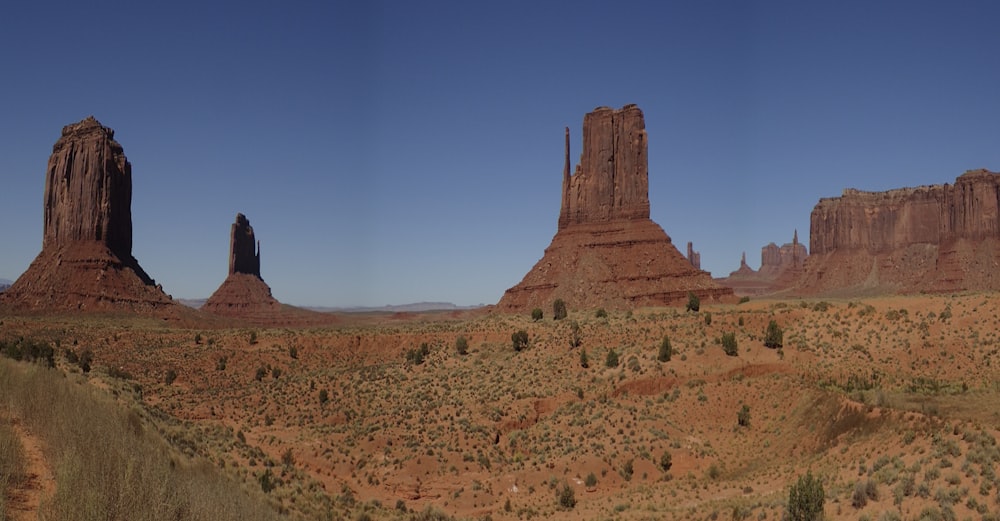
x: 412, y: 151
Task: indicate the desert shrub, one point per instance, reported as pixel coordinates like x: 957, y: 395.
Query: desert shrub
x: 694, y: 303
x: 574, y: 335
x: 253, y: 338
x: 519, y: 340
x: 559, y: 309
x: 601, y: 313
x: 729, y: 344
x: 863, y: 491
x: 773, y: 337
x: 744, y: 300
x: 740, y: 322
x: 266, y: 481
x: 590, y: 481
x: 627, y: 469
x: 584, y: 360
x: 462, y: 345
x: 708, y: 318
x: 275, y: 372
x: 805, y: 499
x: 220, y: 364
x: 324, y: 396
x: 260, y: 373
x: 743, y: 417
x: 293, y: 352
x: 417, y: 355
x: 665, y: 350
x: 666, y: 461
x: 197, y: 338
x: 86, y: 358
x: 536, y: 314
x: 567, y: 498
x: 170, y: 376
x: 611, y: 360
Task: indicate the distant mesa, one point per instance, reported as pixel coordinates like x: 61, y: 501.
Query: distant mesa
x: 86, y: 262
x: 938, y: 238
x: 606, y: 251
x: 779, y: 270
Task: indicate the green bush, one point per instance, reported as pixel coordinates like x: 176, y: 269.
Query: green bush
x: 694, y: 303
x: 627, y: 470
x: 170, y: 376
x: 805, y: 499
x: 774, y: 336
x: 665, y: 350
x: 612, y: 359
x: 574, y: 335
x: 584, y: 360
x: 559, y: 309
x: 666, y: 461
x: 536, y: 314
x: 729, y: 344
x: 462, y: 345
x: 708, y: 318
x: 324, y: 396
x: 744, y: 300
x: 590, y: 481
x: 519, y: 340
x: 743, y: 417
x: 567, y: 498
x: 601, y: 313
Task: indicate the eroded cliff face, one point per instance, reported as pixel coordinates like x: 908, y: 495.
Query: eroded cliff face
x: 612, y: 180
x: 607, y: 252
x: 88, y: 189
x: 86, y: 262
x: 929, y: 238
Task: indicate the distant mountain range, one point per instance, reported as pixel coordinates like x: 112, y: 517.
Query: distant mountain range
x: 417, y: 307
x: 401, y: 308
x: 5, y: 283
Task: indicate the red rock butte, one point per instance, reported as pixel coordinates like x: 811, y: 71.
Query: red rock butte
x: 606, y: 251
x: 938, y: 238
x: 244, y: 294
x: 86, y: 262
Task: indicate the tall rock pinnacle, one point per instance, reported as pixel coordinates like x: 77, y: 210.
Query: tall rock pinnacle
x: 243, y: 257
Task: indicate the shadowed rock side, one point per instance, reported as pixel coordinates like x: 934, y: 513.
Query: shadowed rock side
x: 930, y: 238
x: 607, y: 252
x: 86, y: 261
x: 244, y: 294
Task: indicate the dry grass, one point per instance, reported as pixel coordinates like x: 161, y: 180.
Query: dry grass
x: 108, y: 464
x: 12, y: 465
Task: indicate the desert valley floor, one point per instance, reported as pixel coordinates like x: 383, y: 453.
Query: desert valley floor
x: 893, y: 402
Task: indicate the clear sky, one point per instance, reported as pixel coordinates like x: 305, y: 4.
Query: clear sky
x: 405, y: 151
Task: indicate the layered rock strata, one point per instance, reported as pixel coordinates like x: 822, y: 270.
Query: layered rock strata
x: 780, y: 267
x: 928, y: 238
x: 606, y: 251
x: 86, y: 262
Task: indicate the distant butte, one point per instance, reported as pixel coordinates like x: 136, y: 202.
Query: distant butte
x: 606, y: 251
x: 244, y: 294
x: 86, y: 262
x: 780, y: 268
x: 938, y: 238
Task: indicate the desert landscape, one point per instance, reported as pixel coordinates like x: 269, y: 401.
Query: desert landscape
x: 617, y: 380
